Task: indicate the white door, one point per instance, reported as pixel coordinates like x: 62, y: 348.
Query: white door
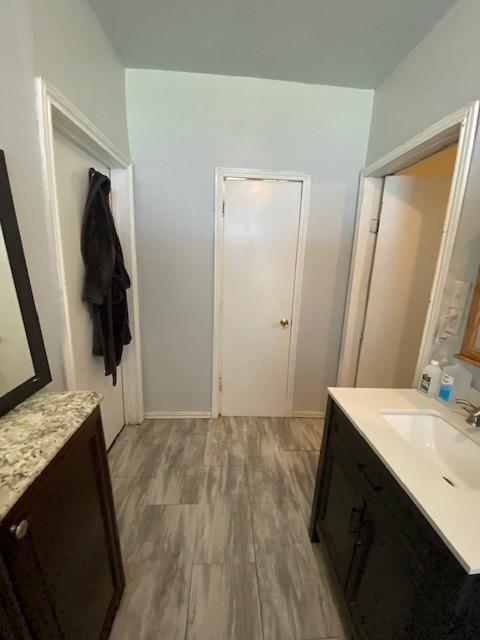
x: 71, y: 174
x: 409, y: 236
x: 261, y: 231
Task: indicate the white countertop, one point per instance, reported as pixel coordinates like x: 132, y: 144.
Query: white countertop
x: 454, y: 514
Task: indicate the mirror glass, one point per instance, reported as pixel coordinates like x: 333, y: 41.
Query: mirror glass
x: 470, y: 350
x: 23, y: 361
x: 16, y: 364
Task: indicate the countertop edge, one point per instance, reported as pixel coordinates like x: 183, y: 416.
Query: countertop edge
x: 33, y: 434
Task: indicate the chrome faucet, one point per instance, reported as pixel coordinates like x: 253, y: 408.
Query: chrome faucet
x: 473, y: 418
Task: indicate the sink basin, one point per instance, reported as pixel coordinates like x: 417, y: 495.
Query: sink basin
x: 455, y: 456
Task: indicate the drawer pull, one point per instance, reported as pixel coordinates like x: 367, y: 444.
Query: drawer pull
x: 355, y: 519
x: 19, y: 531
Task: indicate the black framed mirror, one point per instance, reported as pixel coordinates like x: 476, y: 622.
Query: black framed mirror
x: 23, y: 362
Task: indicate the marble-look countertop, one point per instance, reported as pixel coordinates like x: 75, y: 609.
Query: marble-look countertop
x: 454, y: 513
x: 33, y: 433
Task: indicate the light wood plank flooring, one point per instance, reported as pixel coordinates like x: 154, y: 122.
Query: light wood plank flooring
x: 212, y: 517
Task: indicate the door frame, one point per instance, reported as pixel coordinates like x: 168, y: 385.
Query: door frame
x: 460, y: 127
x: 221, y: 174
x: 57, y: 114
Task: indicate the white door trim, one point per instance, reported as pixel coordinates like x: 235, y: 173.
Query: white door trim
x: 220, y: 175
x: 369, y: 200
x: 57, y: 113
x: 460, y: 126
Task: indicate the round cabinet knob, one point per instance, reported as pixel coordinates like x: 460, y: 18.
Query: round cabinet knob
x: 284, y: 322
x: 19, y: 530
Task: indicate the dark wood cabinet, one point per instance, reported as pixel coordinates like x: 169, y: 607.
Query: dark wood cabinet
x: 398, y: 579
x: 382, y: 589
x: 66, y: 572
x: 343, y: 509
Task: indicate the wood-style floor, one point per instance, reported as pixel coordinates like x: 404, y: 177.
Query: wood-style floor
x: 212, y: 517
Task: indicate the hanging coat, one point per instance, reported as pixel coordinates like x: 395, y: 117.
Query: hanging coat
x: 106, y: 279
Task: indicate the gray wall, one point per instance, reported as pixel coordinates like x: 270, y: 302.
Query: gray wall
x: 21, y: 26
x: 438, y: 77
x: 73, y: 52
x: 181, y: 127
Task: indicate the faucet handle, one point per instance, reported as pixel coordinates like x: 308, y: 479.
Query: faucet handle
x: 466, y: 403
x: 473, y: 418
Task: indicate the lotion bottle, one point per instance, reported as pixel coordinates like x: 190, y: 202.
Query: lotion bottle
x: 430, y: 380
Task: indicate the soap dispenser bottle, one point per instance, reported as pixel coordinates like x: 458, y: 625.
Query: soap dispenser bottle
x: 454, y: 383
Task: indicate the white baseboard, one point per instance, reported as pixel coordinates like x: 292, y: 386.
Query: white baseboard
x: 156, y: 415
x: 308, y: 414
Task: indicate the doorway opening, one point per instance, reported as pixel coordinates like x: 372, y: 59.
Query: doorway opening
x: 409, y: 234
x: 408, y: 212
x: 261, y: 223
x: 72, y: 165
x: 70, y: 144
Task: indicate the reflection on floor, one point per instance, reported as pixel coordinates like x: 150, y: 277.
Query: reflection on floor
x: 212, y: 523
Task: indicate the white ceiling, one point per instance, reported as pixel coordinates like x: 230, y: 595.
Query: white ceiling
x: 353, y: 43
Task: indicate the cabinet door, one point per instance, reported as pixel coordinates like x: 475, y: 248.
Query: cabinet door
x: 70, y: 555
x: 23, y: 588
x: 13, y: 625
x: 342, y: 507
x: 381, y: 591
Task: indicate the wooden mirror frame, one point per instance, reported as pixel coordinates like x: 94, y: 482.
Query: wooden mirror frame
x: 470, y: 350
x: 18, y: 266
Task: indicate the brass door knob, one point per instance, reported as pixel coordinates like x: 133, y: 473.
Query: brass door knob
x: 284, y: 322
x: 19, y: 531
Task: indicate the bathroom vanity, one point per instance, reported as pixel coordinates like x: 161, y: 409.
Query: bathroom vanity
x: 61, y: 574
x: 397, y: 510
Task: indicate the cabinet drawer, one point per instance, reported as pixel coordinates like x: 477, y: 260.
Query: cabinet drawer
x: 415, y: 532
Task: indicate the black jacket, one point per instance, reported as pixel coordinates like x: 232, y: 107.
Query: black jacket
x: 106, y: 279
